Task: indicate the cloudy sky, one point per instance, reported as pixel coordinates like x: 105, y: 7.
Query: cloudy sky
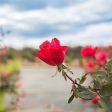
x: 74, y: 22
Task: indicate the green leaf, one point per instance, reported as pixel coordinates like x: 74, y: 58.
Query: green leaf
x: 97, y: 84
x: 110, y: 78
x: 106, y: 90
x: 85, y: 93
x: 100, y: 76
x: 100, y: 73
x: 105, y: 104
x: 83, y: 78
x: 71, y: 98
x: 64, y: 75
x: 75, y: 91
x: 108, y: 66
x: 59, y: 68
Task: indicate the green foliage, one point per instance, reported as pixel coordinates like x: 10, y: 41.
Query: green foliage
x: 85, y: 93
x: 106, y: 90
x: 64, y: 75
x: 14, y: 66
x: 83, y: 78
x: 103, y: 80
x: 108, y: 66
x: 71, y: 98
x: 81, y: 92
x: 9, y: 83
x: 101, y: 84
x: 72, y: 54
x: 2, y: 100
x: 74, y: 92
x: 105, y: 103
x: 97, y: 84
x: 28, y: 54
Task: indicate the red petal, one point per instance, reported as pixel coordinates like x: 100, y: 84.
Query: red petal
x: 57, y: 55
x: 44, y: 56
x: 44, y: 45
x: 55, y: 42
x: 64, y: 48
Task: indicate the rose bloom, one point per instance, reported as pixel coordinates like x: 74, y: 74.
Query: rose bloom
x: 90, y: 66
x: 52, y: 52
x: 101, y: 57
x: 5, y: 73
x: 95, y: 100
x: 88, y: 51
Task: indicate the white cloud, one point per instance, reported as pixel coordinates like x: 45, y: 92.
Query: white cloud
x: 100, y: 34
x: 101, y: 30
x: 84, y: 12
x: 95, y: 35
x: 88, y: 11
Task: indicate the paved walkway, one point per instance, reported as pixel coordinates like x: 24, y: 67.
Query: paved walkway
x: 45, y: 93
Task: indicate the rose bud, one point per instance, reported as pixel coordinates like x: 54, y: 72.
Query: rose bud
x: 88, y: 51
x: 52, y: 52
x: 101, y: 57
x: 90, y: 66
x: 95, y: 100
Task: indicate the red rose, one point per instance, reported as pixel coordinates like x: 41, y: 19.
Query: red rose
x: 102, y: 57
x: 88, y: 51
x: 52, y: 52
x: 95, y: 100
x: 90, y: 66
x: 5, y: 73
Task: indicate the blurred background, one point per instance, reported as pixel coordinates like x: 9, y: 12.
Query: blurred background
x: 24, y: 25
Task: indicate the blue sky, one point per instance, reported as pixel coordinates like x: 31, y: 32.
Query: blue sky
x: 74, y: 22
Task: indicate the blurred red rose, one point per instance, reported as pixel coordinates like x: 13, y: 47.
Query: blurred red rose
x: 23, y: 94
x: 82, y: 100
x: 110, y: 47
x: 18, y: 84
x: 3, y: 51
x: 101, y: 57
x: 95, y: 100
x: 52, y: 52
x: 5, y: 73
x: 88, y: 51
x: 90, y: 66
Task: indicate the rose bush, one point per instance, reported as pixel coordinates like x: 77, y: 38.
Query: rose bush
x: 8, y: 81
x: 99, y: 91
